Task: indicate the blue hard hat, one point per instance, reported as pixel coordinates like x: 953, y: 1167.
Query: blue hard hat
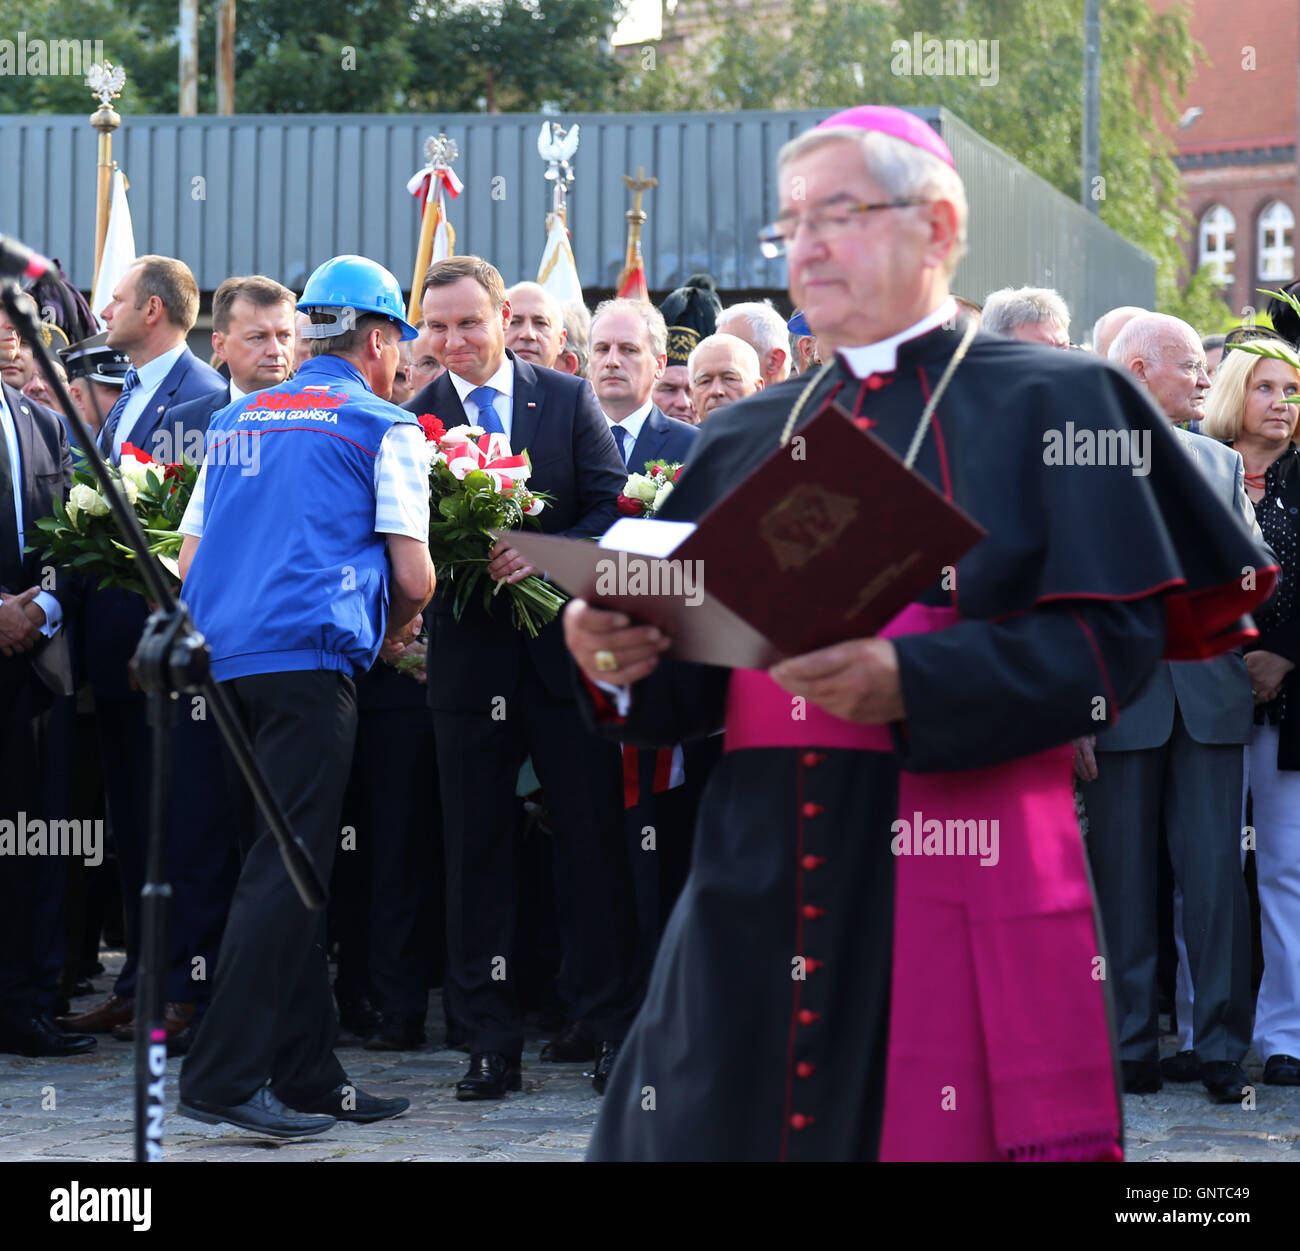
x: 357, y: 283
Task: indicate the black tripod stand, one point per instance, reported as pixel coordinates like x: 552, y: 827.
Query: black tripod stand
x: 172, y: 657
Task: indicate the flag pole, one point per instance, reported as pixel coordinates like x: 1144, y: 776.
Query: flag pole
x: 438, y: 156
x: 106, y: 82
x: 633, y: 264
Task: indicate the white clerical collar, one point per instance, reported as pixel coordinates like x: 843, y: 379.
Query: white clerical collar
x: 633, y: 422
x: 503, y: 381
x: 882, y: 357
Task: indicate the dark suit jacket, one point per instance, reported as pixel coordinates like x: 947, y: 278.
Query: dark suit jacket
x: 556, y: 417
x: 661, y: 438
x: 115, y: 619
x: 46, y: 465
x: 1213, y: 696
x: 183, y: 425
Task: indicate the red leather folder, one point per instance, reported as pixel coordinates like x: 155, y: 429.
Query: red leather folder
x: 828, y: 539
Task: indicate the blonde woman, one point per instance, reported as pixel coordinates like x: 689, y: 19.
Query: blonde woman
x: 1247, y: 408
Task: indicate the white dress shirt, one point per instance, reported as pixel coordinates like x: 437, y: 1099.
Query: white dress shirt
x: 504, y: 382
x: 52, y: 608
x: 632, y: 424
x: 151, y: 378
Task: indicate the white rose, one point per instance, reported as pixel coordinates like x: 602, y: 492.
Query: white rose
x: 131, y: 488
x: 460, y: 434
x: 665, y: 490
x: 86, y: 499
x: 135, y: 471
x: 639, y: 487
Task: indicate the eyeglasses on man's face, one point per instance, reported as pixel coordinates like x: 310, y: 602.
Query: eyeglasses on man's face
x: 825, y: 223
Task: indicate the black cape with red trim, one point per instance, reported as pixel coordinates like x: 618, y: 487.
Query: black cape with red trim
x: 1090, y: 573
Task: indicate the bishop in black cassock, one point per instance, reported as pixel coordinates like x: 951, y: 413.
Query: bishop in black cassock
x: 831, y: 984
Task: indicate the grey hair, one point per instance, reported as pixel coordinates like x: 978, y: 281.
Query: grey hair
x: 1010, y: 307
x: 745, y: 351
x: 903, y: 171
x: 1144, y: 338
x: 765, y: 324
x: 577, y: 327
x: 651, y: 318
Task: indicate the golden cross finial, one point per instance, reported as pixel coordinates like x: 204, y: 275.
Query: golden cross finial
x: 638, y: 186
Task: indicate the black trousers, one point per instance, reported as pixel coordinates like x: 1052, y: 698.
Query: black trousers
x: 200, y: 859
x: 479, y: 758
x: 272, y: 1017
x: 29, y: 885
x: 387, y: 897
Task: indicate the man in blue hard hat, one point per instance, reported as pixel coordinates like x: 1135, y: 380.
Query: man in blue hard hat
x: 306, y: 551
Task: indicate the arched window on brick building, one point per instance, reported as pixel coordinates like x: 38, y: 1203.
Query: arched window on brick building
x: 1276, y: 241
x: 1218, y: 242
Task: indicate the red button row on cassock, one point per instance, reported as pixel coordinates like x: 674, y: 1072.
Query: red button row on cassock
x: 813, y: 758
x: 799, y: 1121
x: 812, y: 912
x: 811, y: 862
x: 807, y: 1016
x: 811, y: 809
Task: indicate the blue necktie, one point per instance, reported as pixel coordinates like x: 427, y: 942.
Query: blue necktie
x: 487, y: 414
x: 620, y: 438
x: 107, y: 435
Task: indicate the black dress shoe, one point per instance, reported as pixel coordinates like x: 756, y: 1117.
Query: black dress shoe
x: 262, y: 1114
x: 1282, y: 1070
x: 398, y: 1031
x: 351, y: 1103
x: 1141, y: 1077
x: 604, y: 1066
x: 358, y: 1016
x: 1224, y: 1080
x: 38, y: 1036
x: 1183, y: 1067
x: 489, y: 1076
x: 573, y: 1045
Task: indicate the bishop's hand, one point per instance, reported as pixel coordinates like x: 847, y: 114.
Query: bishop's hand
x: 608, y: 647
x: 857, y: 680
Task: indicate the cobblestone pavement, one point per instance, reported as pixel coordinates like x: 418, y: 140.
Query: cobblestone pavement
x: 551, y: 1119
x: 93, y: 1097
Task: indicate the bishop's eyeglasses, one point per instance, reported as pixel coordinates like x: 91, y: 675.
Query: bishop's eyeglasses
x: 825, y: 224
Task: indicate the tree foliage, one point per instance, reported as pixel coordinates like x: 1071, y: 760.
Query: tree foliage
x: 368, y: 56
x: 830, y: 55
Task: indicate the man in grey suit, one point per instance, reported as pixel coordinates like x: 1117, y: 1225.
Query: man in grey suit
x: 1175, y: 754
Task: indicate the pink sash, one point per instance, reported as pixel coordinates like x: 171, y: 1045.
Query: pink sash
x: 999, y: 1047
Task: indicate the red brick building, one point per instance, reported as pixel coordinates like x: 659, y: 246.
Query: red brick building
x: 1236, y: 143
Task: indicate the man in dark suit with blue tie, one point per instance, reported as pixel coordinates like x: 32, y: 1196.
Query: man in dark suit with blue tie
x: 153, y: 308
x: 631, y: 345
x: 498, y: 696
x: 35, y: 470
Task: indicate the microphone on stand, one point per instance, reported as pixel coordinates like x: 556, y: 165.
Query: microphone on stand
x: 19, y: 261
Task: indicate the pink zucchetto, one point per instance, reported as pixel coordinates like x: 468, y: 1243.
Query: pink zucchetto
x: 896, y: 122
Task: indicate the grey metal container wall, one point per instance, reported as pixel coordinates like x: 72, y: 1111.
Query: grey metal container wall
x: 279, y: 194
x: 1023, y: 232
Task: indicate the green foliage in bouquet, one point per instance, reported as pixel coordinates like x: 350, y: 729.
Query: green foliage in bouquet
x: 82, y: 535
